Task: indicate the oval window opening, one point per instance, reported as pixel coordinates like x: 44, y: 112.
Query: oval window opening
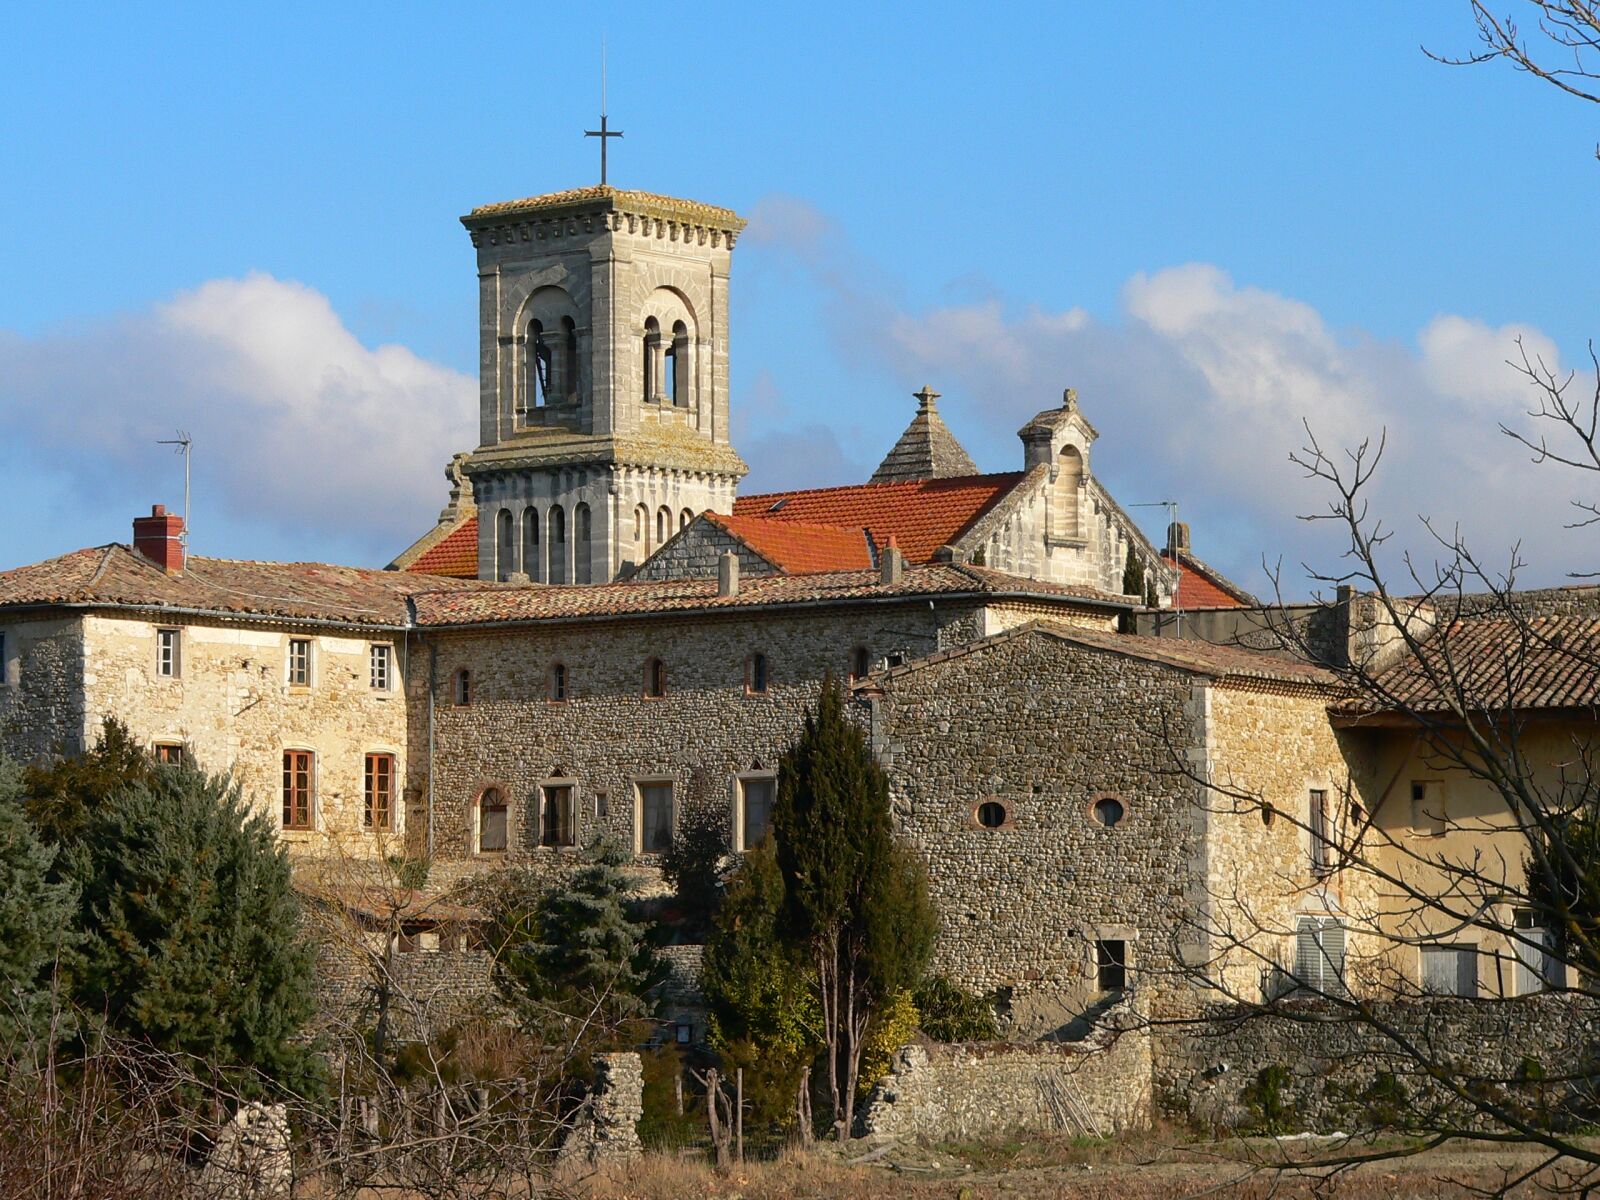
x: 991, y: 814
x: 1267, y: 815
x: 1108, y: 811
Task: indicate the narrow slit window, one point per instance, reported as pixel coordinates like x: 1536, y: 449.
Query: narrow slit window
x: 756, y: 675
x: 1321, y: 847
x: 655, y: 679
x: 558, y: 682
x: 462, y: 687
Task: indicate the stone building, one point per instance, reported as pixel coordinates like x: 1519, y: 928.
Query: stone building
x: 600, y: 634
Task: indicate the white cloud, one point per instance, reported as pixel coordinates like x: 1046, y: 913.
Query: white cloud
x: 1201, y: 389
x: 297, y: 425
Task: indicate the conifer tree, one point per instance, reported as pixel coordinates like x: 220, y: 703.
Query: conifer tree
x: 193, y: 940
x: 855, y: 899
x: 578, y: 950
x: 35, y: 923
x: 1133, y: 575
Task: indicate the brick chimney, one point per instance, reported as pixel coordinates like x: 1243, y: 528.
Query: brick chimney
x: 159, y: 537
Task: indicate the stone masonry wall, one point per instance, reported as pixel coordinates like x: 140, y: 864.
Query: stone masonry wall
x: 694, y: 552
x: 1330, y: 1064
x: 1046, y: 728
x: 1098, y: 1085
x: 231, y: 705
x: 430, y: 990
x: 607, y: 738
x: 41, y: 688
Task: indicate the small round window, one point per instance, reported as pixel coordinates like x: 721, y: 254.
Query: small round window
x: 1109, y: 811
x: 991, y: 814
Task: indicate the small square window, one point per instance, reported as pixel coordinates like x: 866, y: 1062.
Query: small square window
x: 684, y: 1034
x: 299, y: 662
x: 170, y: 753
x: 167, y: 651
x: 382, y: 668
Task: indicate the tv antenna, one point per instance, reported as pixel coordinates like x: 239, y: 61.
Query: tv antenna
x: 183, y: 442
x: 1177, y: 567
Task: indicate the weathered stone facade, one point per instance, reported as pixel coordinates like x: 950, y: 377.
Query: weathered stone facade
x: 42, y: 704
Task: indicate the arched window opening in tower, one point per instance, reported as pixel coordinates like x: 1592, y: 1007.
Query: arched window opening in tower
x: 531, y: 557
x: 558, y: 545
x: 663, y: 525
x: 539, y: 363
x: 569, y: 359
x: 505, y: 545
x: 641, y: 534
x: 679, y: 366
x: 582, y: 567
x: 684, y: 518
x: 652, y: 360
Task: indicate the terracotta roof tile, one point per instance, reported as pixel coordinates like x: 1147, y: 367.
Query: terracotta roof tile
x: 115, y: 577
x: 1493, y: 665
x: 536, y: 602
x: 1196, y: 590
x: 921, y: 515
x: 454, y: 556
x: 800, y: 547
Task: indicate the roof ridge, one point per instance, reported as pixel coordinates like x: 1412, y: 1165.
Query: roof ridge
x: 942, y: 480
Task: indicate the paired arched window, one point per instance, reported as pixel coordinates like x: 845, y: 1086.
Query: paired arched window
x: 641, y: 534
x: 505, y: 545
x: 678, y: 366
x: 684, y: 518
x: 539, y: 369
x: 655, y: 678
x: 569, y: 359
x: 531, y: 557
x: 582, y: 567
x: 557, y: 522
x: 663, y: 524
x: 652, y: 360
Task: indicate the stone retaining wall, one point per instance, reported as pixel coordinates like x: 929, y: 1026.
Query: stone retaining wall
x: 606, y: 1129
x: 1328, y: 1072
x: 978, y: 1089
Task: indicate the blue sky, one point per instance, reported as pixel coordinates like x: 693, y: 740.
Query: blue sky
x: 1214, y: 221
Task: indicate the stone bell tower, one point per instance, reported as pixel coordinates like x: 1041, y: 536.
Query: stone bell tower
x: 603, y: 368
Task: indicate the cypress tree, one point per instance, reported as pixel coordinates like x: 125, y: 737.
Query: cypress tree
x: 35, y: 923
x: 855, y: 899
x: 193, y: 939
x: 1133, y: 575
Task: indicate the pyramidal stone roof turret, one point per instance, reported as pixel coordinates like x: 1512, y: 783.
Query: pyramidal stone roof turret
x: 926, y: 450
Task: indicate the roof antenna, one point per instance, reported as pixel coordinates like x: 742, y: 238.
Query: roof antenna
x: 1177, y: 567
x: 183, y: 442
x: 604, y: 132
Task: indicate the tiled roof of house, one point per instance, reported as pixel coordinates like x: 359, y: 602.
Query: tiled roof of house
x: 1219, y: 662
x: 920, y: 514
x: 115, y: 577
x: 1201, y: 587
x: 454, y: 556
x: 1494, y: 665
x: 646, y: 597
x: 799, y: 547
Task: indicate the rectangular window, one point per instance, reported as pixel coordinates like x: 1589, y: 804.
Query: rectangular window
x: 755, y: 810
x: 379, y: 812
x: 1538, y: 967
x: 170, y: 753
x: 167, y: 663
x: 557, y: 827
x: 299, y: 662
x: 1427, y: 809
x: 382, y: 663
x: 602, y: 805
x: 1111, y: 965
x: 297, y: 780
x: 1319, y: 955
x: 492, y: 821
x: 1450, y: 970
x: 1321, y: 848
x: 655, y: 818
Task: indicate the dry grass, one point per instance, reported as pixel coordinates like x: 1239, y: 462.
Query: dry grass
x: 1142, y: 1168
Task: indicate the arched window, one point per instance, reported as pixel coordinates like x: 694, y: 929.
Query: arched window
x: 505, y: 545
x: 582, y: 571
x: 641, y: 534
x: 461, y: 687
x: 1064, y: 495
x: 655, y: 678
x: 539, y: 362
x: 663, y: 524
x: 1109, y: 811
x: 860, y: 662
x: 569, y: 359
x: 493, y: 818
x: 755, y: 674
x: 558, y: 682
x: 678, y: 365
x: 531, y: 558
x: 684, y: 518
x: 558, y: 545
x: 652, y: 360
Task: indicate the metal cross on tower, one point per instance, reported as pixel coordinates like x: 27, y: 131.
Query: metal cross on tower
x: 603, y: 133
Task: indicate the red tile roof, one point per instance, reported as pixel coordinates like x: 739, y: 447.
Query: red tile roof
x: 1196, y: 591
x: 115, y: 577
x: 920, y: 514
x: 538, y: 602
x: 455, y: 555
x: 800, y: 547
x: 1494, y: 665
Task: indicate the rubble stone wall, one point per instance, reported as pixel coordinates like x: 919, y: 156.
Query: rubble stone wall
x: 41, y: 688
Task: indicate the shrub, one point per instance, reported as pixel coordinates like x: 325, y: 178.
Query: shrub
x: 952, y: 1014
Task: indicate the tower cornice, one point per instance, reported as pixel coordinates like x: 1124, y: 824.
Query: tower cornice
x: 586, y: 211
